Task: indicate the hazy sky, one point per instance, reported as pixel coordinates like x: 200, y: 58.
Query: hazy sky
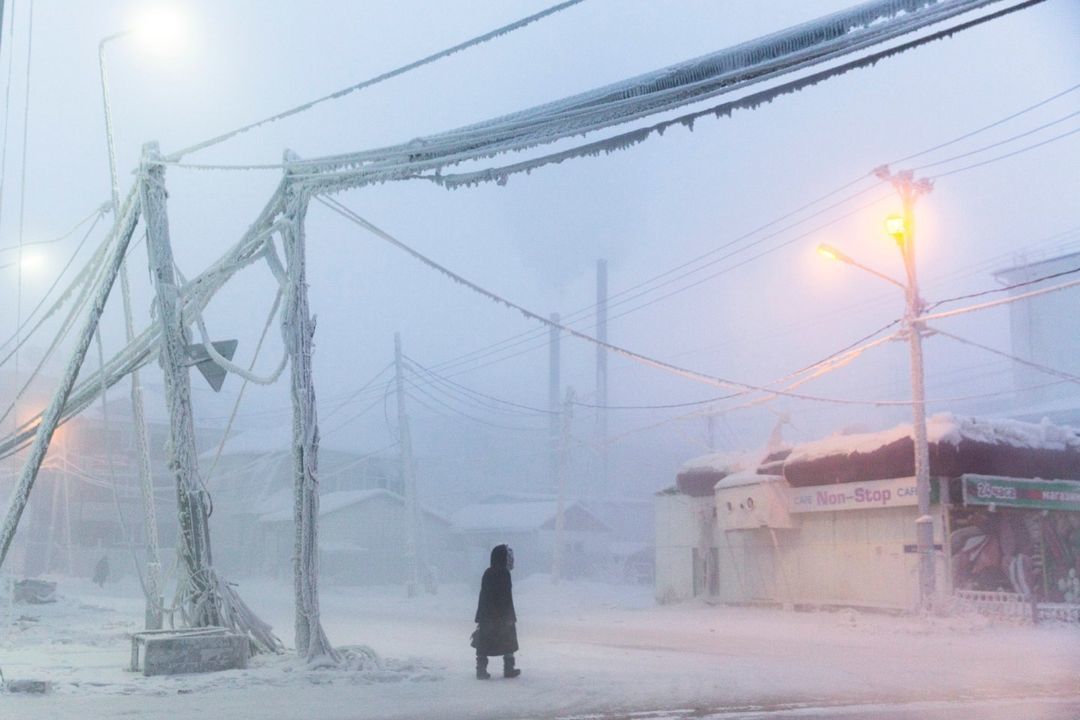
x: 537, y: 239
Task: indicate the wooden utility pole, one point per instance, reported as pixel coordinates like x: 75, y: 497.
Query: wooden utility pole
x: 557, y: 558
x: 202, y: 605
x: 553, y: 401
x: 408, y: 479
x: 298, y: 330
x: 602, y: 374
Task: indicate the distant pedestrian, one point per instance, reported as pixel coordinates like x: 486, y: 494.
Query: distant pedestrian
x: 496, y: 628
x: 101, y: 571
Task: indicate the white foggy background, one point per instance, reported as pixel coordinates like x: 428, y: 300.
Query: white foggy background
x: 536, y: 240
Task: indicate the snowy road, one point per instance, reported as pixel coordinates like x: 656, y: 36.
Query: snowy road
x: 1056, y: 708
x: 589, y: 652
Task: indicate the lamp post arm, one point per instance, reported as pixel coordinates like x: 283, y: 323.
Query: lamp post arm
x: 872, y: 271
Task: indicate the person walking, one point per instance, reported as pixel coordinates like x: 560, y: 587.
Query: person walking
x: 496, y: 621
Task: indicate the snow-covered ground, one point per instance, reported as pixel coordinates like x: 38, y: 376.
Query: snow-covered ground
x: 586, y: 648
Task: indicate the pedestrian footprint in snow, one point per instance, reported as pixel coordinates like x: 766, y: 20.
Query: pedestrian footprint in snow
x: 496, y: 629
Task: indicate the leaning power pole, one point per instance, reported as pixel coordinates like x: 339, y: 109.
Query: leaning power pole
x: 408, y: 479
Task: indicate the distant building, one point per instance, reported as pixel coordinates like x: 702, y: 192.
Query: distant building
x: 1045, y: 330
x: 832, y: 522
x: 528, y: 526
x: 254, y: 476
x: 362, y: 538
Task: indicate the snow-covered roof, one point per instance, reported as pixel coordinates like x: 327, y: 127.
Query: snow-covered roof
x: 724, y: 463
x: 512, y: 517
x: 946, y: 428
x: 744, y: 478
x: 279, y: 506
x: 327, y: 503
x: 274, y: 439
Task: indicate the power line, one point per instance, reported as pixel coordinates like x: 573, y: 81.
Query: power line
x: 992, y: 125
x: 999, y: 143
x: 631, y: 354
x: 996, y: 303
x: 1068, y: 377
x: 572, y: 317
x: 1006, y: 288
x: 505, y: 29
x: 448, y: 381
x: 965, y: 168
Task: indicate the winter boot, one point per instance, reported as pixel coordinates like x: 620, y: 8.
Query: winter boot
x: 509, y: 671
x: 481, y: 668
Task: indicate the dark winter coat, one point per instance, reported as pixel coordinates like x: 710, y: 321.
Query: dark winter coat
x: 496, y: 632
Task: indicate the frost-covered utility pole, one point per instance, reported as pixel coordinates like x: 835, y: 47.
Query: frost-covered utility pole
x: 50, y: 419
x: 559, y: 549
x: 904, y: 233
x: 553, y: 399
x: 602, y: 373
x: 202, y: 601
x: 408, y: 479
x: 298, y: 329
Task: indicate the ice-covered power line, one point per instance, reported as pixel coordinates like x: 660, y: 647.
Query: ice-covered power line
x: 661, y: 365
x: 571, y: 318
x: 1067, y: 377
x: 1005, y: 288
x: 997, y: 303
x: 490, y: 35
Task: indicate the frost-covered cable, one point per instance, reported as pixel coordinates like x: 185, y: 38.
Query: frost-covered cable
x: 59, y: 302
x: 243, y: 387
x: 228, y: 366
x: 626, y: 140
x: 662, y: 365
x: 490, y: 35
x: 997, y: 303
x: 195, y: 295
x: 797, y: 48
x: 1061, y: 374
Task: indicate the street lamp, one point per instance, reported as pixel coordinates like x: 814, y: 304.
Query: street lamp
x: 162, y: 29
x: 902, y: 230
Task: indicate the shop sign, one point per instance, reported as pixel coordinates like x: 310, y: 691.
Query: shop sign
x: 1015, y: 492
x: 867, y: 495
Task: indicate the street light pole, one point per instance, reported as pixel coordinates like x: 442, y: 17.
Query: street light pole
x: 902, y: 230
x: 154, y: 590
x: 909, y: 190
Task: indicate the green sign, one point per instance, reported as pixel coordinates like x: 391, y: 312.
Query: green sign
x: 1015, y: 492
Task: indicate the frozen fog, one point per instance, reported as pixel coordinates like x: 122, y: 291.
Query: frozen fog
x: 694, y: 359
